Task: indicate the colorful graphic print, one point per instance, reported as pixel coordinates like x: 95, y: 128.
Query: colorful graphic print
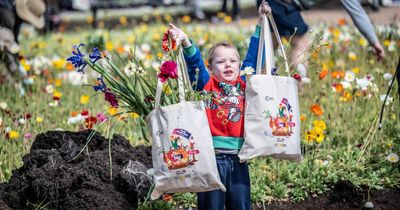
x: 182, y: 152
x: 228, y: 101
x: 282, y: 124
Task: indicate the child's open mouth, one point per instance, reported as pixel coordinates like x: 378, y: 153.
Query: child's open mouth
x: 228, y: 72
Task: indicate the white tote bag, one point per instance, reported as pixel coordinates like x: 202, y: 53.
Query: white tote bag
x: 182, y: 149
x: 271, y: 121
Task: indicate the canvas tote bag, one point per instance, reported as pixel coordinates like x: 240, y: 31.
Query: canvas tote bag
x: 271, y: 121
x: 182, y: 149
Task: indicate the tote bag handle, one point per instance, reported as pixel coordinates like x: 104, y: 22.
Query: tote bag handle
x: 183, y: 79
x: 266, y: 40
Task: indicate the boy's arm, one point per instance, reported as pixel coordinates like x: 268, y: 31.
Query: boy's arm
x: 198, y: 74
x: 251, y: 56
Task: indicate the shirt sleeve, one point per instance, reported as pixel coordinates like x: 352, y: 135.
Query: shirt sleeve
x: 360, y: 19
x: 198, y: 74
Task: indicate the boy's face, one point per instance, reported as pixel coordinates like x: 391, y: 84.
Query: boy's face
x: 225, y: 64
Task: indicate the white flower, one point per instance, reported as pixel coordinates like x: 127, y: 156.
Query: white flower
x: 3, y: 105
x: 387, y: 76
x: 29, y: 81
x: 145, y: 48
x: 362, y: 84
x: 77, y: 79
x: 302, y: 70
x: 305, y: 80
x: 54, y: 103
x: 21, y: 121
x: 8, y: 129
x: 393, y: 158
x: 77, y: 119
x: 388, y: 100
x: 247, y: 70
x: 392, y: 46
x: 49, y: 89
x: 349, y: 76
x: 132, y: 68
x: 155, y: 65
x: 346, y: 85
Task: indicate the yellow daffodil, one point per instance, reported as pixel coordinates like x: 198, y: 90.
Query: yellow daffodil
x: 13, y: 134
x: 84, y: 99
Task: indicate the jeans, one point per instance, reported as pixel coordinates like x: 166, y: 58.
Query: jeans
x: 235, y: 176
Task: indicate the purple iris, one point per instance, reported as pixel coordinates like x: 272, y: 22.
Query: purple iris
x: 100, y: 85
x: 95, y: 56
x: 77, y: 59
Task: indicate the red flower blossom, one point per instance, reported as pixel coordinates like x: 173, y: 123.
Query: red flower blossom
x: 85, y: 112
x: 166, y: 43
x: 111, y: 98
x: 169, y: 69
x: 90, y: 121
x: 297, y: 76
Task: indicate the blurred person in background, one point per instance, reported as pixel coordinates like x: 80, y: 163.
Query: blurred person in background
x: 290, y: 22
x: 12, y: 14
x: 235, y: 9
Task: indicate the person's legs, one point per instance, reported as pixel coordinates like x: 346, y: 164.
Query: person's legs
x: 238, y: 196
x: 235, y: 9
x: 224, y: 9
x: 7, y: 19
x: 215, y: 200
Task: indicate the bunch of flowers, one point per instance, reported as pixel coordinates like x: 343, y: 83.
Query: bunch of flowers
x: 132, y: 86
x: 316, y: 134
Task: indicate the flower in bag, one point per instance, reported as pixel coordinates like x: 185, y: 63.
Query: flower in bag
x: 166, y: 43
x: 169, y: 69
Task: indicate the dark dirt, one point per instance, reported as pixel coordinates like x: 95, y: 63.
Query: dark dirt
x: 51, y: 178
x: 344, y: 195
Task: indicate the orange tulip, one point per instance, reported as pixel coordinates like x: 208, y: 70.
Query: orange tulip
x: 317, y: 110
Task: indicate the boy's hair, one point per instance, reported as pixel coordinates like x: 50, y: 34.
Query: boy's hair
x: 220, y: 44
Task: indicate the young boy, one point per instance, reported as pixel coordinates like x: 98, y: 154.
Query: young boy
x: 225, y: 112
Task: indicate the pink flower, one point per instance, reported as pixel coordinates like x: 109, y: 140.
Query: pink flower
x: 101, y: 117
x: 169, y: 69
x: 28, y: 136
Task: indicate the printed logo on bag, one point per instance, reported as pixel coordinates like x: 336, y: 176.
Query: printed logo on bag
x: 182, y: 152
x: 282, y: 123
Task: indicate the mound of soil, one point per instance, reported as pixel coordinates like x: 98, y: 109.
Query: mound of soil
x: 344, y: 195
x: 54, y: 176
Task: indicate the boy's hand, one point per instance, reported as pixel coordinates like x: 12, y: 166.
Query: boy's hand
x: 264, y: 9
x: 178, y: 35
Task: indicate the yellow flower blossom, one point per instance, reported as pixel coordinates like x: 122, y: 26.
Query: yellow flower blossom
x: 58, y: 63
x: 319, y: 124
x: 386, y: 42
x: 84, y: 99
x: 363, y: 42
x: 57, y: 94
x: 112, y: 111
x: 57, y: 82
x: 352, y: 56
x: 186, y: 19
x: 167, y: 90
x: 13, y: 134
x: 123, y: 20
x: 228, y: 19
x: 319, y: 136
x: 109, y: 46
x: 346, y: 96
x: 356, y: 70
x: 134, y: 115
x: 39, y: 119
x: 310, y: 136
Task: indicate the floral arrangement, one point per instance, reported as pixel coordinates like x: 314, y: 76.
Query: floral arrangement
x: 134, y: 87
